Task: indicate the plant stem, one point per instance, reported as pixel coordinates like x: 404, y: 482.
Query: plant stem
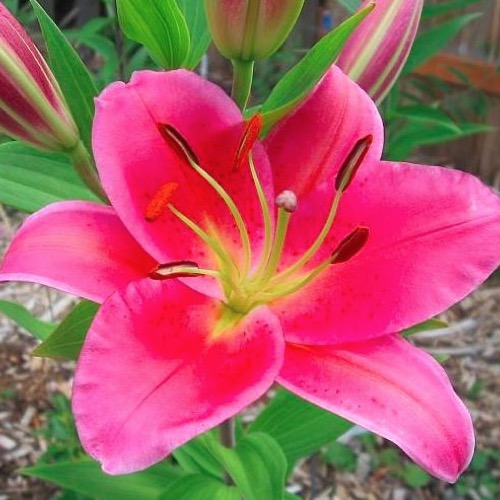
x: 228, y: 439
x: 85, y: 168
x: 227, y: 433
x: 242, y: 82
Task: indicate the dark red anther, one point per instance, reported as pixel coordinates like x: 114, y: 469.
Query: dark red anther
x: 170, y: 270
x: 350, y: 245
x: 177, y: 142
x: 253, y: 127
x: 160, y: 201
x: 352, y: 163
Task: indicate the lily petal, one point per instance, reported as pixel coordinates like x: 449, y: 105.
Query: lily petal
x: 393, y: 389
x: 78, y: 247
x: 136, y: 162
x: 152, y: 376
x: 310, y: 145
x: 425, y: 252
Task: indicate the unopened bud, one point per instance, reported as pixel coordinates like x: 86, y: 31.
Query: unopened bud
x: 375, y: 54
x: 32, y: 107
x: 287, y: 200
x: 248, y: 30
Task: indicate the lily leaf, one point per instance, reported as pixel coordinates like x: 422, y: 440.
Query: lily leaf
x: 20, y: 315
x: 30, y: 179
x: 159, y: 26
x: 430, y: 324
x: 71, y: 73
x: 67, y: 339
x: 201, y: 488
x: 302, y: 78
x: 85, y: 476
x: 200, y: 38
x: 299, y: 427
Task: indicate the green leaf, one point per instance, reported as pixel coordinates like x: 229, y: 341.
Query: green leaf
x: 299, y: 427
x: 430, y: 324
x: 302, y: 78
x: 20, y: 315
x: 257, y: 466
x: 159, y: 26
x: 432, y: 10
x: 67, y: 339
x: 71, y: 73
x: 426, y: 113
x: 196, y: 457
x: 30, y: 179
x: 414, y: 476
x: 196, y: 19
x: 86, y: 477
x: 434, y: 39
x: 341, y: 457
x: 195, y: 486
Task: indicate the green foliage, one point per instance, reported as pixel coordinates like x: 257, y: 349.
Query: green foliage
x: 20, y: 315
x: 196, y: 486
x: 30, y: 179
x: 159, y: 26
x: 256, y: 465
x: 434, y: 39
x: 430, y: 324
x: 200, y: 38
x: 341, y: 457
x: 481, y: 480
x: 60, y: 433
x: 67, y: 339
x: 299, y: 427
x: 85, y: 476
x: 71, y: 73
x: 301, y: 79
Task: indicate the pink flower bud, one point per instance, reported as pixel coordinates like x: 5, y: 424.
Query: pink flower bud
x: 32, y: 108
x: 375, y: 54
x: 248, y: 30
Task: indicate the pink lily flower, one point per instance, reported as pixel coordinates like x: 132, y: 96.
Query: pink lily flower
x: 377, y: 51
x: 32, y: 107
x: 226, y: 264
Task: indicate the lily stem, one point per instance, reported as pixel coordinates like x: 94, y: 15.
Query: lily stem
x: 85, y: 168
x: 228, y: 433
x: 242, y: 82
x: 228, y: 439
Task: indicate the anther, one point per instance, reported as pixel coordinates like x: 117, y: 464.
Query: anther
x: 287, y: 200
x: 177, y: 142
x: 350, y: 245
x: 253, y: 127
x: 160, y: 201
x: 352, y: 163
x: 178, y: 269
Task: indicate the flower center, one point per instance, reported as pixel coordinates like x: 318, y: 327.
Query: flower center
x: 246, y: 287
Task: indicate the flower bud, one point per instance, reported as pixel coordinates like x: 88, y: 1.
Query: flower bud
x: 376, y: 52
x: 32, y: 108
x: 248, y: 30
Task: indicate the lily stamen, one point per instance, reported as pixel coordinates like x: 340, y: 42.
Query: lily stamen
x: 180, y: 269
x: 343, y: 180
x: 175, y: 136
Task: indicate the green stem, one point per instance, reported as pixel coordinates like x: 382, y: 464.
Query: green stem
x: 242, y: 82
x: 228, y: 439
x: 85, y: 168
